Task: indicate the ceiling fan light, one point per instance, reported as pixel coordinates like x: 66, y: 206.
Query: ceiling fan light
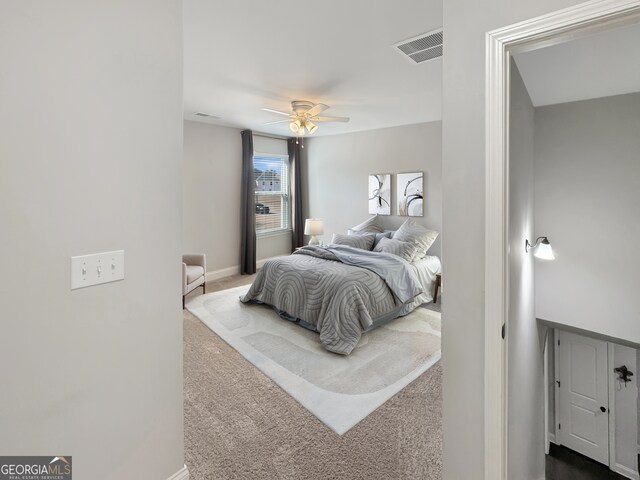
x: 295, y: 126
x: 311, y: 127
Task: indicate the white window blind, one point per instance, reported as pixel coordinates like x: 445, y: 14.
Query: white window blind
x: 271, y: 173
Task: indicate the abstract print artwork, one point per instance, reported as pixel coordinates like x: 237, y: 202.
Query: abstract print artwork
x: 380, y: 194
x: 409, y: 190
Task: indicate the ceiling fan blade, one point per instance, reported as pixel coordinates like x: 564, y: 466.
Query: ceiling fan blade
x: 330, y: 119
x: 316, y: 109
x: 277, y: 121
x: 276, y: 111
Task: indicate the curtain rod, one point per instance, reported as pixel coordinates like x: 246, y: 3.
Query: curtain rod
x: 265, y: 135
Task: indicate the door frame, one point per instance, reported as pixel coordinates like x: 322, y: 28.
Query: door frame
x: 546, y: 30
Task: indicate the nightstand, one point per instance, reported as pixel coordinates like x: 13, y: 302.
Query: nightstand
x: 436, y: 286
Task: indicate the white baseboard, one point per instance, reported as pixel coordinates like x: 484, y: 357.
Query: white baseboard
x: 222, y: 273
x: 182, y: 474
x: 626, y: 472
x: 235, y: 270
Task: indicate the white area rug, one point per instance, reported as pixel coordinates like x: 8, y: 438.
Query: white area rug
x: 339, y: 390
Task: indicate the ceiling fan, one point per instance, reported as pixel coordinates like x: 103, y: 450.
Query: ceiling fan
x: 303, y: 115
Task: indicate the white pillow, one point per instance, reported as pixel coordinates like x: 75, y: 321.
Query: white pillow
x: 411, y: 231
x: 369, y: 226
x: 406, y: 250
x: 364, y: 241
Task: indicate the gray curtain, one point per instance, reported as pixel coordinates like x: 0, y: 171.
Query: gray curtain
x: 297, y: 220
x: 247, y: 208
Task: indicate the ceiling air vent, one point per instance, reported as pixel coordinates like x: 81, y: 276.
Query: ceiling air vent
x: 422, y: 48
x: 206, y: 115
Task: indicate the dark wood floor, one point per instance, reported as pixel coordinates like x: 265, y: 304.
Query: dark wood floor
x: 565, y: 464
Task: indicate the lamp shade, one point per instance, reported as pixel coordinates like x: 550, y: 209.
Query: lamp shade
x: 295, y: 126
x: 544, y: 251
x: 313, y: 226
x: 311, y: 127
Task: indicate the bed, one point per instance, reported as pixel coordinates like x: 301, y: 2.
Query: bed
x: 341, y: 291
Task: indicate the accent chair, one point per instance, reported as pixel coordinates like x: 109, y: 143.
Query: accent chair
x: 194, y: 269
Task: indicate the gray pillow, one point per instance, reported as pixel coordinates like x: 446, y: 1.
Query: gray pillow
x: 411, y: 231
x: 379, y: 236
x: 406, y: 250
x: 364, y: 241
x: 369, y: 226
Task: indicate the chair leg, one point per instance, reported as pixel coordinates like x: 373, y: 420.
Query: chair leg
x: 183, y: 302
x: 203, y: 290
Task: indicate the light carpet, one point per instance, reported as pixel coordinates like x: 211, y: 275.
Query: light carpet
x: 340, y: 391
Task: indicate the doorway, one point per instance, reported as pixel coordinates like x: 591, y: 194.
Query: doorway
x: 591, y: 406
x: 502, y: 44
x: 583, y: 406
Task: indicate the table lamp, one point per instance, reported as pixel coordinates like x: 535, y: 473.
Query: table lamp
x: 313, y: 227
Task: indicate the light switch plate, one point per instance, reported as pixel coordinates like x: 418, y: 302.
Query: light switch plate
x: 97, y: 268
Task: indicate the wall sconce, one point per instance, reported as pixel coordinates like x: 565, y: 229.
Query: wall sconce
x: 543, y: 250
x: 313, y: 227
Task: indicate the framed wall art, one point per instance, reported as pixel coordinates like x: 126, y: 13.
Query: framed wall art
x: 409, y: 192
x: 380, y: 194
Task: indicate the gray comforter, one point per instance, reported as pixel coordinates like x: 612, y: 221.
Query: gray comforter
x: 337, y: 290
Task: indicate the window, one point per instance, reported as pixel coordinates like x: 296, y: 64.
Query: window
x: 271, y: 174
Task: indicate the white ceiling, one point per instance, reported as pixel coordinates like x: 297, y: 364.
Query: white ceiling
x: 241, y: 56
x: 598, y: 65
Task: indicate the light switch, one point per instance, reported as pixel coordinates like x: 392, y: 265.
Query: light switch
x: 97, y: 268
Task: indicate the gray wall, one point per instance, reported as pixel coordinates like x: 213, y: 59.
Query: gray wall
x: 91, y: 161
x: 339, y: 166
x: 211, y: 193
x: 587, y: 197
x: 211, y: 197
x: 626, y: 410
x: 524, y: 340
x: 463, y: 147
